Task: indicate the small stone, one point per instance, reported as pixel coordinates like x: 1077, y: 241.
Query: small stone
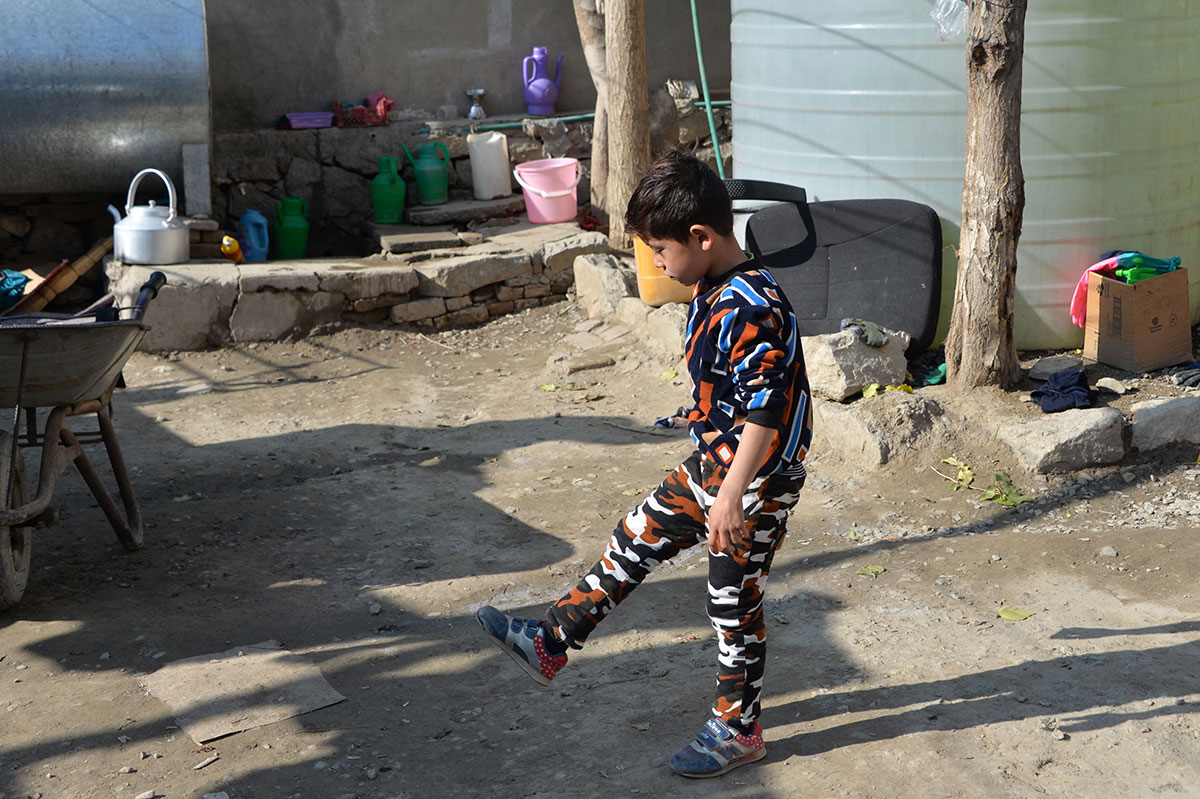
x: 22, y: 667
x: 1128, y: 477
x: 1108, y: 552
x: 1111, y: 384
x: 126, y: 770
x: 1059, y: 735
x: 1055, y: 363
x: 143, y: 755
x: 371, y: 774
x: 146, y: 795
x: 996, y: 558
x: 374, y: 608
x: 217, y: 795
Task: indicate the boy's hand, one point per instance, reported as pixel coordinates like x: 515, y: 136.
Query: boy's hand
x: 727, y: 525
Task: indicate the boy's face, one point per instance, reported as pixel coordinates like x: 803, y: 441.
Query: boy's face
x: 683, y: 261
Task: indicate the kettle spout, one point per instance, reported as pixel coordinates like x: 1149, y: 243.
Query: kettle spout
x: 116, y: 215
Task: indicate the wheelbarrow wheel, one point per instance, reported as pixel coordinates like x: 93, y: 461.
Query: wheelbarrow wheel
x: 16, y: 541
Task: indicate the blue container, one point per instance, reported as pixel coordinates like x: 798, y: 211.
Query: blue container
x: 252, y: 233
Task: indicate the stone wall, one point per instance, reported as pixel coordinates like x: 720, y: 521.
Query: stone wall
x: 213, y: 303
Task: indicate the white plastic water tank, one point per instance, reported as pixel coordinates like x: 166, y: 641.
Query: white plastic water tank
x: 861, y: 100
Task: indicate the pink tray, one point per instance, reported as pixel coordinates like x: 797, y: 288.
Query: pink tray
x: 310, y: 119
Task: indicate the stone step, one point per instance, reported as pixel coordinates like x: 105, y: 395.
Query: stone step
x: 461, y: 212
x: 399, y: 239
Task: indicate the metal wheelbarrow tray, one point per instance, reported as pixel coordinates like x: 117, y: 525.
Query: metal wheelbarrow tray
x: 71, y: 366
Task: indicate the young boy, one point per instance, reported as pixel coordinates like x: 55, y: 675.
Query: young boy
x: 752, y: 424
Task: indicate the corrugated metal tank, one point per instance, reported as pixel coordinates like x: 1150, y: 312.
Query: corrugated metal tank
x: 860, y: 100
x: 95, y: 90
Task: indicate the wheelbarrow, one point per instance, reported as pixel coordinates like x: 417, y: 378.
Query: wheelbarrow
x: 68, y: 364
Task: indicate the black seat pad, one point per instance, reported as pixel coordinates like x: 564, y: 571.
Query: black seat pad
x: 879, y: 260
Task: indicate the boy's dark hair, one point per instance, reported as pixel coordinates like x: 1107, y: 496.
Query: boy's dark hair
x: 678, y: 191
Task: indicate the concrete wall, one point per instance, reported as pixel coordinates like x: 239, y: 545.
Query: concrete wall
x: 268, y: 59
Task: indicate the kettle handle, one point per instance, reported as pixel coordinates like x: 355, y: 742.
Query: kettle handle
x: 445, y: 153
x: 138, y: 179
x: 525, y: 70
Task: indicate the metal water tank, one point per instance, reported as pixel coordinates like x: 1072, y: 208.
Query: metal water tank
x: 861, y: 100
x: 95, y: 90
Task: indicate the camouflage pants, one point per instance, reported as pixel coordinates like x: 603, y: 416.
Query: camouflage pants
x: 672, y: 519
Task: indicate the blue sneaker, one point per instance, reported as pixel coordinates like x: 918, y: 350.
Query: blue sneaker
x: 717, y: 749
x: 525, y: 642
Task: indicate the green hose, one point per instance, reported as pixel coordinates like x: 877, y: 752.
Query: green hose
x: 708, y: 106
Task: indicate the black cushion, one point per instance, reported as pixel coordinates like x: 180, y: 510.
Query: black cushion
x: 879, y: 260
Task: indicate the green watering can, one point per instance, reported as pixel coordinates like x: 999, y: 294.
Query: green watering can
x: 432, y: 178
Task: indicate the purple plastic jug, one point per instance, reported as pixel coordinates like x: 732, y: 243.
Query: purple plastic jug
x: 540, y: 91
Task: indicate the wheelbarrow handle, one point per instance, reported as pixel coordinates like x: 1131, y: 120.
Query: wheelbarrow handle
x: 148, y: 292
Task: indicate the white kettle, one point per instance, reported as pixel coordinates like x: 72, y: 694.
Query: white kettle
x: 149, y: 234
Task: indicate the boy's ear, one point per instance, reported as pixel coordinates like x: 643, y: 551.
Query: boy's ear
x: 703, y: 235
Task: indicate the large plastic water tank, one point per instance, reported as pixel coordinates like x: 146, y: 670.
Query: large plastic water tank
x: 861, y: 100
x: 95, y: 90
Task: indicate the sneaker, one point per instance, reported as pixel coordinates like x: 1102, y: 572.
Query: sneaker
x: 717, y: 749
x: 525, y: 642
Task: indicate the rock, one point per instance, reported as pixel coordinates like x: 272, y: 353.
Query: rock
x: 1108, y: 552
x: 871, y: 434
x: 469, y: 269
x: 631, y: 312
x: 665, y: 327
x: 359, y: 280
x: 1112, y: 385
x: 601, y: 282
x: 463, y: 211
x: 1160, y: 422
x: 191, y: 311
x: 839, y: 364
x: 408, y: 238
x: 416, y: 310
x: 217, y: 795
x: 272, y: 315
x: 1070, y: 440
x: 553, y: 248
x: 1055, y: 363
x: 146, y: 795
x: 277, y: 276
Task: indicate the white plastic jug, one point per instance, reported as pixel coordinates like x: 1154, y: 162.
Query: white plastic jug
x: 489, y: 164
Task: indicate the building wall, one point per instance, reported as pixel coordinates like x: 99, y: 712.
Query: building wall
x: 264, y: 62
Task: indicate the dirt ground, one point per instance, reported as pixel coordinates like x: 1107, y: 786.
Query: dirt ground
x: 357, y: 496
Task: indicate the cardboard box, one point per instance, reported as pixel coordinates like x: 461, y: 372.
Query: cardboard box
x: 1140, y: 326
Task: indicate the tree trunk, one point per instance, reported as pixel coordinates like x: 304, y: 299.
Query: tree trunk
x: 628, y: 109
x: 590, y: 22
x: 979, y: 348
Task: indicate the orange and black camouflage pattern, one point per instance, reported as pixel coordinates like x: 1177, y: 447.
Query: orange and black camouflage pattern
x: 671, y: 519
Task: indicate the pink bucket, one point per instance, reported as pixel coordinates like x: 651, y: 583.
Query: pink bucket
x: 549, y: 186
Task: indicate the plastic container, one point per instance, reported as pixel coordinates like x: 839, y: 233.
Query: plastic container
x: 541, y: 91
x: 387, y: 191
x: 654, y: 287
x: 310, y: 119
x: 549, y: 186
x: 433, y: 180
x: 863, y: 100
x: 489, y: 165
x: 291, y: 228
x: 252, y: 232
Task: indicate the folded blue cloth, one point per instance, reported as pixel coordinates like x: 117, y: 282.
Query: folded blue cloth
x: 1064, y: 390
x: 12, y: 288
